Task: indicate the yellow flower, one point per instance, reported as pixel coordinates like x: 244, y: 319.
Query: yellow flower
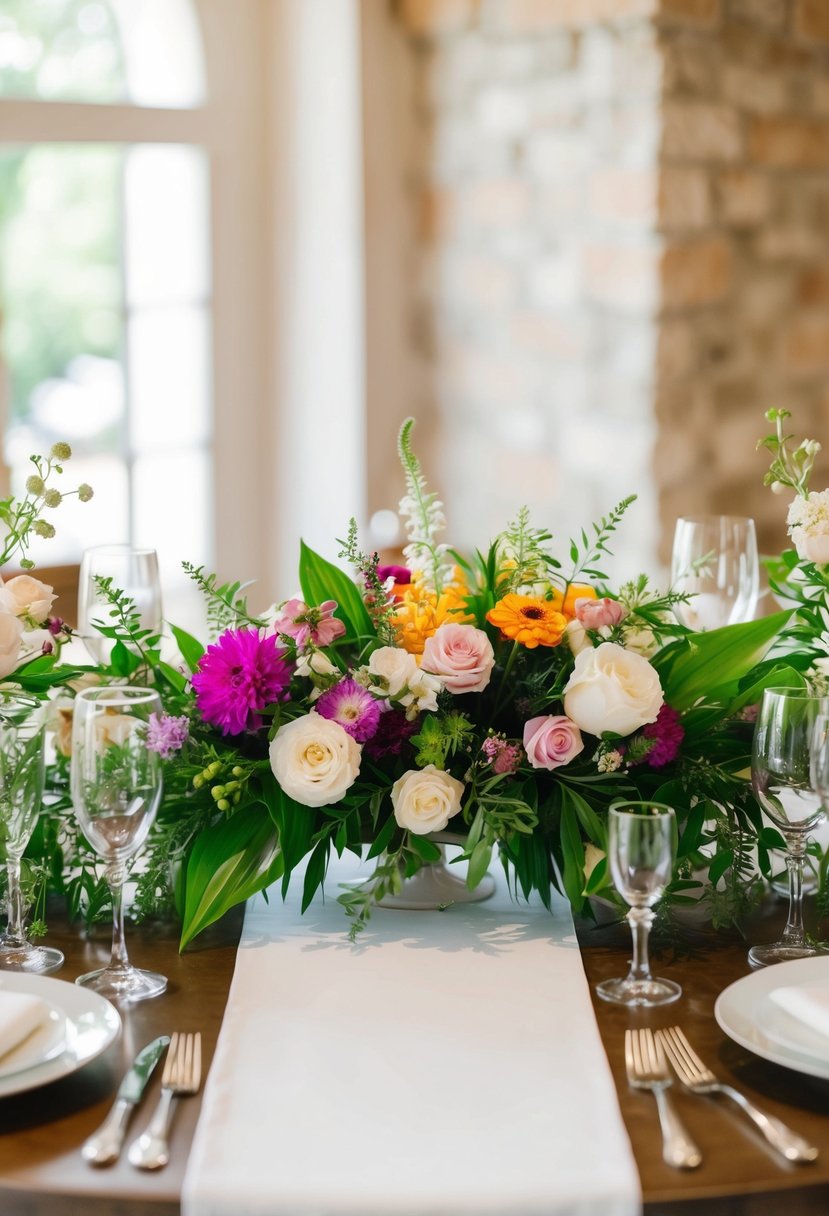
x: 420, y: 613
x: 530, y: 621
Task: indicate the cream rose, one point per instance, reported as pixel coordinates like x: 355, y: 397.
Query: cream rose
x: 425, y: 799
x: 314, y: 760
x: 395, y: 668
x: 27, y: 597
x: 612, y: 690
x: 461, y: 655
x: 11, y: 640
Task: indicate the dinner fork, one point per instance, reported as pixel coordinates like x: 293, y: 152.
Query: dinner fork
x: 647, y: 1068
x: 697, y: 1077
x: 182, y: 1075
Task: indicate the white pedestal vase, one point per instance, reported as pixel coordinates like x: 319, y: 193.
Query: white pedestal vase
x: 435, y: 886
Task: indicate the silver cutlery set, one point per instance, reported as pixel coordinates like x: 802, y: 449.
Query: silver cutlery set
x: 181, y: 1077
x: 646, y: 1059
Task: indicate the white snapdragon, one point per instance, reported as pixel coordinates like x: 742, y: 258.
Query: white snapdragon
x: 808, y: 520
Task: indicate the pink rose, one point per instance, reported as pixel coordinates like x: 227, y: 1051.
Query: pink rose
x: 596, y: 614
x: 551, y: 740
x: 461, y: 655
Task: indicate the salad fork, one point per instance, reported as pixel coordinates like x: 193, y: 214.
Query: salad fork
x: 699, y: 1079
x: 647, y: 1068
x: 182, y: 1076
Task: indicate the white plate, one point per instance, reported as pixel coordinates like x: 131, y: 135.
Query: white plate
x: 91, y: 1024
x: 748, y: 1017
x: 44, y: 1043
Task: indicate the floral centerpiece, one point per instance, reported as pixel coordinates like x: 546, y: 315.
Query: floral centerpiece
x: 508, y: 696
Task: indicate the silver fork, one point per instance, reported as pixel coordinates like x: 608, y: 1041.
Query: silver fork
x: 697, y: 1077
x: 647, y: 1068
x: 182, y: 1075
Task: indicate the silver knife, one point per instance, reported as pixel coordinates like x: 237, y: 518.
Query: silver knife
x: 104, y: 1145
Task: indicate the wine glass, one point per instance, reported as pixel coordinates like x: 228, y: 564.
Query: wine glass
x: 640, y: 852
x: 715, y: 562
x: 133, y: 571
x: 783, y: 768
x: 116, y: 790
x: 21, y: 797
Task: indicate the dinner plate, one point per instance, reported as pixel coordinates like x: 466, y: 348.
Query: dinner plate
x: 44, y: 1043
x: 90, y: 1025
x: 748, y: 1016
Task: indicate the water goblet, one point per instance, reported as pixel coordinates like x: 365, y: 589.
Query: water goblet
x: 640, y: 853
x: 116, y: 790
x: 784, y: 772
x: 715, y: 562
x: 133, y: 571
x: 21, y: 797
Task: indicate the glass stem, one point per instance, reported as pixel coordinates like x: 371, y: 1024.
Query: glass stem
x: 794, y: 934
x: 14, y: 901
x: 116, y: 874
x: 640, y: 921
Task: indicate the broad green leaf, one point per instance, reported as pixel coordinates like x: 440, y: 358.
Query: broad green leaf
x: 190, y: 647
x: 320, y: 581
x: 572, y: 852
x: 295, y: 825
x: 426, y: 849
x: 720, y: 863
x: 122, y: 661
x: 229, y: 862
x: 709, y: 666
x: 315, y: 872
x: 589, y: 820
x: 383, y: 838
x: 478, y: 864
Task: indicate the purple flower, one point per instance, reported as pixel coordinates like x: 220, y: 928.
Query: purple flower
x: 237, y: 677
x: 353, y: 706
x: 667, y: 733
x: 167, y: 734
x: 400, y: 574
x: 55, y: 625
x: 393, y: 733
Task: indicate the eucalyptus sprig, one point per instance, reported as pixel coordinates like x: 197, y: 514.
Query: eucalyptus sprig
x: 24, y: 516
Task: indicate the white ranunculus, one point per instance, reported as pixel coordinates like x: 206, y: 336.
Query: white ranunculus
x: 11, y: 640
x: 808, y: 521
x: 396, y: 668
x: 27, y: 597
x: 612, y: 690
x: 314, y: 760
x: 425, y: 799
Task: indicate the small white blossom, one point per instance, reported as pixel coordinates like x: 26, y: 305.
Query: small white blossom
x: 610, y: 762
x: 808, y: 520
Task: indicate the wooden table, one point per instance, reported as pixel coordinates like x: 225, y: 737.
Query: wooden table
x: 42, y: 1174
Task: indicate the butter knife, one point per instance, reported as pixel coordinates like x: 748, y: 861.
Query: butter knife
x: 104, y: 1145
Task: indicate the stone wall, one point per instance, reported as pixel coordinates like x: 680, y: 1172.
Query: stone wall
x: 622, y: 254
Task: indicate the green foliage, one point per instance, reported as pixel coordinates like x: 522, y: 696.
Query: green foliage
x: 321, y: 581
x: 441, y: 737
x: 587, y: 551
x: 379, y: 607
x: 227, y: 608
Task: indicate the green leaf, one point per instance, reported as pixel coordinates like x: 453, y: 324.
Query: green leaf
x: 295, y: 825
x: 190, y: 647
x: 122, y: 661
x: 383, y: 838
x: 478, y: 863
x: 709, y: 666
x: 315, y: 872
x: 720, y: 863
x: 320, y: 581
x: 572, y: 851
x: 426, y: 849
x: 229, y: 862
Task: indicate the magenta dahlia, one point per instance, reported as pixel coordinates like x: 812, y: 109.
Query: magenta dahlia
x: 667, y: 733
x: 353, y: 706
x: 238, y: 676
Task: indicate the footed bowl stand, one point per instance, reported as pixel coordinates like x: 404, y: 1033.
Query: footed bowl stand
x: 435, y: 887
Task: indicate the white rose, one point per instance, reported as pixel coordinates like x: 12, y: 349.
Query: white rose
x: 811, y: 546
x: 576, y: 636
x: 27, y: 597
x: 314, y: 760
x: 11, y: 639
x: 396, y: 668
x: 612, y: 689
x: 424, y: 800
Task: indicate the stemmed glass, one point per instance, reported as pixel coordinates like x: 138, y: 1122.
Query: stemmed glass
x: 640, y: 851
x: 783, y: 769
x: 21, y: 797
x: 116, y: 790
x: 715, y: 561
x: 133, y: 571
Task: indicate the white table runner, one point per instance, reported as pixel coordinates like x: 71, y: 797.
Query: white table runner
x: 448, y: 1063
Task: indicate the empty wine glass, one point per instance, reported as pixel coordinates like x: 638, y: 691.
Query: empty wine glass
x: 21, y: 797
x: 116, y: 790
x: 783, y: 769
x: 640, y: 851
x: 133, y: 571
x: 715, y: 562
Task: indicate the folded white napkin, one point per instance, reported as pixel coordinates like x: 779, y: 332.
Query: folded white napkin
x: 20, y: 1015
x: 810, y: 1006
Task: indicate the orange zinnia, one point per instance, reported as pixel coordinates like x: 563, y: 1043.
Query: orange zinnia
x: 567, y: 603
x: 419, y: 613
x: 528, y: 620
